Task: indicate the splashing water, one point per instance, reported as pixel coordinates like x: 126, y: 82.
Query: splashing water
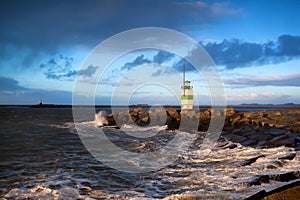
x: 101, y: 118
x: 44, y: 158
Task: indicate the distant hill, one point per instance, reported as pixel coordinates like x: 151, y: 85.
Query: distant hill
x: 255, y: 104
x: 288, y: 104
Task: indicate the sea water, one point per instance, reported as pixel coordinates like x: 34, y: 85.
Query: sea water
x: 42, y: 157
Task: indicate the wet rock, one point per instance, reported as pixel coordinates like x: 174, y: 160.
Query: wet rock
x: 261, y: 143
x: 275, y: 164
x: 251, y: 160
x: 111, y: 120
x: 254, y: 122
x: 172, y: 123
x: 229, y: 111
x: 289, y: 191
x: 276, y: 113
x: 242, y: 122
x: 144, y: 120
x: 249, y: 142
x: 295, y: 129
x: 259, y: 180
x: 235, y: 118
x: 136, y: 110
x: 235, y: 138
x: 258, y: 196
x: 297, y: 147
x: 265, y: 115
x: 139, y: 116
x: 172, y: 112
x: 290, y: 156
x: 276, y: 132
x: 278, y: 138
x: 264, y: 119
x: 289, y: 142
x: 266, y: 123
x: 254, y: 129
x: 285, y: 177
x: 236, y: 131
x: 283, y: 140
x: 134, y: 117
x: 247, y: 129
x: 230, y: 146
x: 204, y: 115
x: 204, y: 120
x: 222, y: 142
x: 294, y: 135
x: 142, y: 114
x: 210, y: 109
x: 255, y: 135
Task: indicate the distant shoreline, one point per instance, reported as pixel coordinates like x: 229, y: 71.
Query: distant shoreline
x: 148, y: 106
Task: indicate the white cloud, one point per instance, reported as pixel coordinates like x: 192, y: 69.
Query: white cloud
x: 263, y: 98
x: 275, y: 80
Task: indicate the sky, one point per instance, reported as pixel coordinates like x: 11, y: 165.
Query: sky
x: 255, y: 46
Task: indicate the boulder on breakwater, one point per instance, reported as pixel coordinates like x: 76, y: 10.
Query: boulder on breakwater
x: 272, y: 128
x: 290, y: 191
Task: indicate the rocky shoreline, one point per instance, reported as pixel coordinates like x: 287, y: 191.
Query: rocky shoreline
x: 290, y: 191
x: 257, y: 129
x: 272, y: 128
x: 263, y: 129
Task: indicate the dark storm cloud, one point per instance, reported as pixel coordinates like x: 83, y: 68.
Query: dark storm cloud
x: 62, y: 68
x: 140, y: 60
x: 9, y: 84
x: 88, y: 72
x: 232, y: 54
x: 159, y: 58
x: 162, y: 56
x: 46, y: 25
x: 43, y: 27
x: 11, y: 92
x: 59, y: 68
x: 236, y: 53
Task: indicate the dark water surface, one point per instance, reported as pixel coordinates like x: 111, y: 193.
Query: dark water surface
x: 42, y: 157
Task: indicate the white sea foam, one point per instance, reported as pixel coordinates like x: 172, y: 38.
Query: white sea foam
x: 42, y: 192
x: 101, y: 118
x: 217, y: 174
x: 127, y: 127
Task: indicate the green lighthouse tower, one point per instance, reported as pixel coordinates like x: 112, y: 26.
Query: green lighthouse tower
x: 187, y: 94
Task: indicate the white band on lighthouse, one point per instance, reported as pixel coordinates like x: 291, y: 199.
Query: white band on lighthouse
x: 187, y: 94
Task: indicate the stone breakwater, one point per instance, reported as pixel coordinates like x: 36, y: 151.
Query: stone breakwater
x: 271, y: 128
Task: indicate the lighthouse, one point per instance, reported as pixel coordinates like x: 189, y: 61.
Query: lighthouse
x: 187, y: 94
